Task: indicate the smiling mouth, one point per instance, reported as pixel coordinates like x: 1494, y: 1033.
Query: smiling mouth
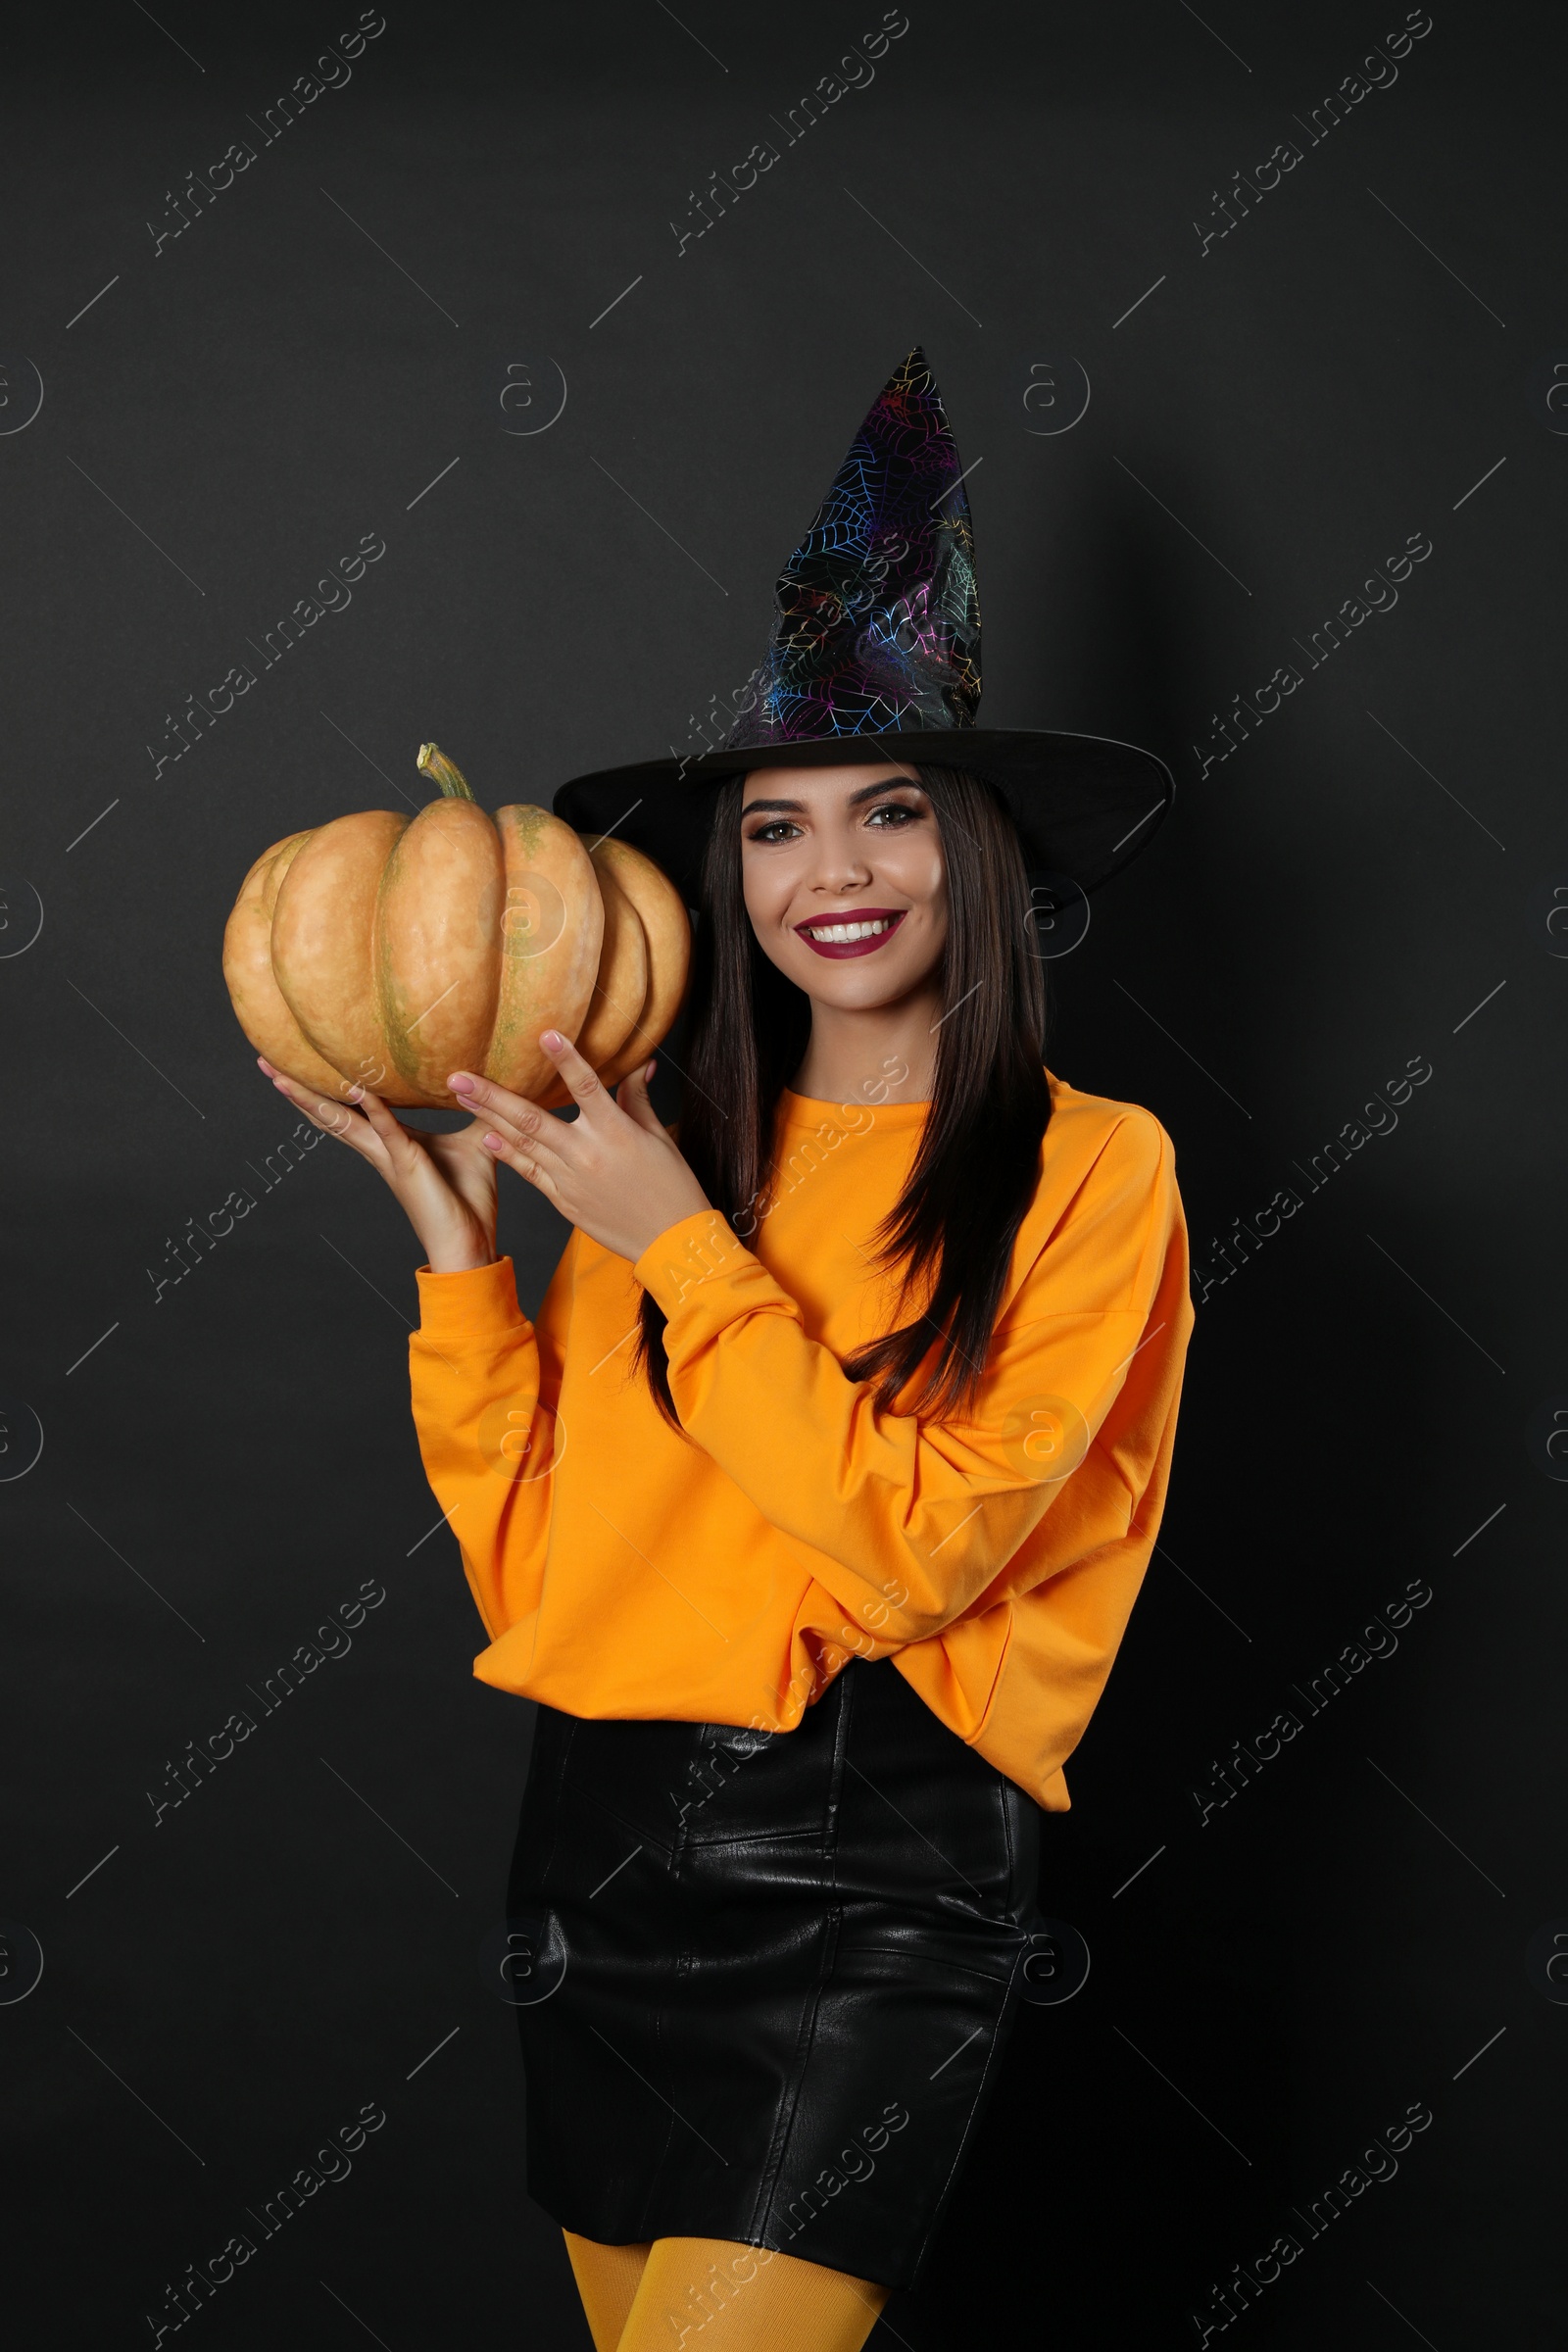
x: 853, y: 935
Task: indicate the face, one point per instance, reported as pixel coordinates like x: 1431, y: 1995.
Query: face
x: 845, y: 880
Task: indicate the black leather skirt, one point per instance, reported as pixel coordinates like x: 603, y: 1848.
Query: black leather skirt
x: 766, y: 1981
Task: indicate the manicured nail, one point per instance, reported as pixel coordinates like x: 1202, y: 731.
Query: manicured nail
x: 552, y: 1040
x: 492, y: 1142
x: 356, y: 1094
x: 461, y: 1083
x: 648, y: 1072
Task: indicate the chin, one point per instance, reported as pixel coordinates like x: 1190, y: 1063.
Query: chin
x: 852, y: 986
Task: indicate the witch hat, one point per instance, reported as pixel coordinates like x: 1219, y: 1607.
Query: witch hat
x: 875, y: 653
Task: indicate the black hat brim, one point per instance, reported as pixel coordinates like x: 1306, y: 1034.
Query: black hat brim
x: 1085, y: 806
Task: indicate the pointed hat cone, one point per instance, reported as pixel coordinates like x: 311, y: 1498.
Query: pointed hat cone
x: 877, y: 621
x: 874, y: 652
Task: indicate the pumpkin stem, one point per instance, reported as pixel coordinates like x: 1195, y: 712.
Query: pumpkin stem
x: 439, y: 768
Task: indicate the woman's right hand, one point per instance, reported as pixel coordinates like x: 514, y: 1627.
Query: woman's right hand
x: 444, y: 1184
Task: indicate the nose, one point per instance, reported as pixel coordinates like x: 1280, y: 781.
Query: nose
x: 841, y: 864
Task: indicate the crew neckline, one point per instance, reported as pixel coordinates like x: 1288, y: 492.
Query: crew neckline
x: 809, y: 1111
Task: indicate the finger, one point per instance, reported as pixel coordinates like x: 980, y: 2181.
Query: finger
x: 484, y: 1096
x: 333, y: 1118
x: 347, y: 1125
x: 633, y: 1097
x: 584, y: 1084
x: 462, y: 1140
x: 521, y: 1158
x: 518, y: 1120
x: 382, y: 1119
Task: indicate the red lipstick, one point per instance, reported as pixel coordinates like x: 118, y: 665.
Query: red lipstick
x: 870, y: 927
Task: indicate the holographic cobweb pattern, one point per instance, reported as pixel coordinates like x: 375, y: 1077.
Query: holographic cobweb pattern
x: 877, y: 621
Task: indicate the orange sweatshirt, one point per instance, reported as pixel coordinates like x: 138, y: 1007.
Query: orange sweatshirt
x: 728, y: 1574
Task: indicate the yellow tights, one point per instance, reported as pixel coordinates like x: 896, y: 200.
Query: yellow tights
x: 708, y: 2294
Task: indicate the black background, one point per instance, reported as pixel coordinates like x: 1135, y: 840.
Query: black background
x: 235, y: 1457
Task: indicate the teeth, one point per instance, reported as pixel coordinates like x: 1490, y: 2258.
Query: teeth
x: 840, y: 934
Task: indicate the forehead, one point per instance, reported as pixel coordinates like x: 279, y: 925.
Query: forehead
x: 821, y: 787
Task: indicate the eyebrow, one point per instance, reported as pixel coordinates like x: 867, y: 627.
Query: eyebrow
x: 867, y: 791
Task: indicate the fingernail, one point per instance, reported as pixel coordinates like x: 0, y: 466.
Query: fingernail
x: 461, y: 1083
x: 493, y: 1142
x: 649, y: 1071
x: 356, y: 1094
x: 552, y: 1040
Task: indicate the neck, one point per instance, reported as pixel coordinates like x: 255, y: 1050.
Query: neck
x: 887, y: 1053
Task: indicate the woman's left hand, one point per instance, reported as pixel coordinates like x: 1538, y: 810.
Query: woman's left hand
x: 612, y: 1170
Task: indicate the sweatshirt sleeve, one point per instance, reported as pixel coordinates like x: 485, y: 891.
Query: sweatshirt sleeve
x: 485, y: 1383
x: 934, y: 1510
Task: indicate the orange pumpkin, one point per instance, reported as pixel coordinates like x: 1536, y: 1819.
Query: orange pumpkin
x: 388, y: 950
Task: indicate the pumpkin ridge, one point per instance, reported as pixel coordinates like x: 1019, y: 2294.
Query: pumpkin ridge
x: 552, y: 930
x: 388, y: 1004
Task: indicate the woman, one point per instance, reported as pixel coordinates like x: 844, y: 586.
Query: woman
x: 811, y: 1511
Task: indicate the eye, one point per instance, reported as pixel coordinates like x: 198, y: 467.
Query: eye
x: 896, y: 813
x: 778, y: 828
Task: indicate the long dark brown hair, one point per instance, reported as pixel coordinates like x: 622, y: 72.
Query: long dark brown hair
x: 975, y: 1172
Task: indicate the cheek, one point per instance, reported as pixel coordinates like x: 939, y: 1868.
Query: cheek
x: 768, y: 889
x: 919, y: 871
x: 767, y: 886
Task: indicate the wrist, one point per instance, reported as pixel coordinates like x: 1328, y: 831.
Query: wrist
x: 459, y: 1245
x: 665, y: 1216
x: 453, y: 1258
